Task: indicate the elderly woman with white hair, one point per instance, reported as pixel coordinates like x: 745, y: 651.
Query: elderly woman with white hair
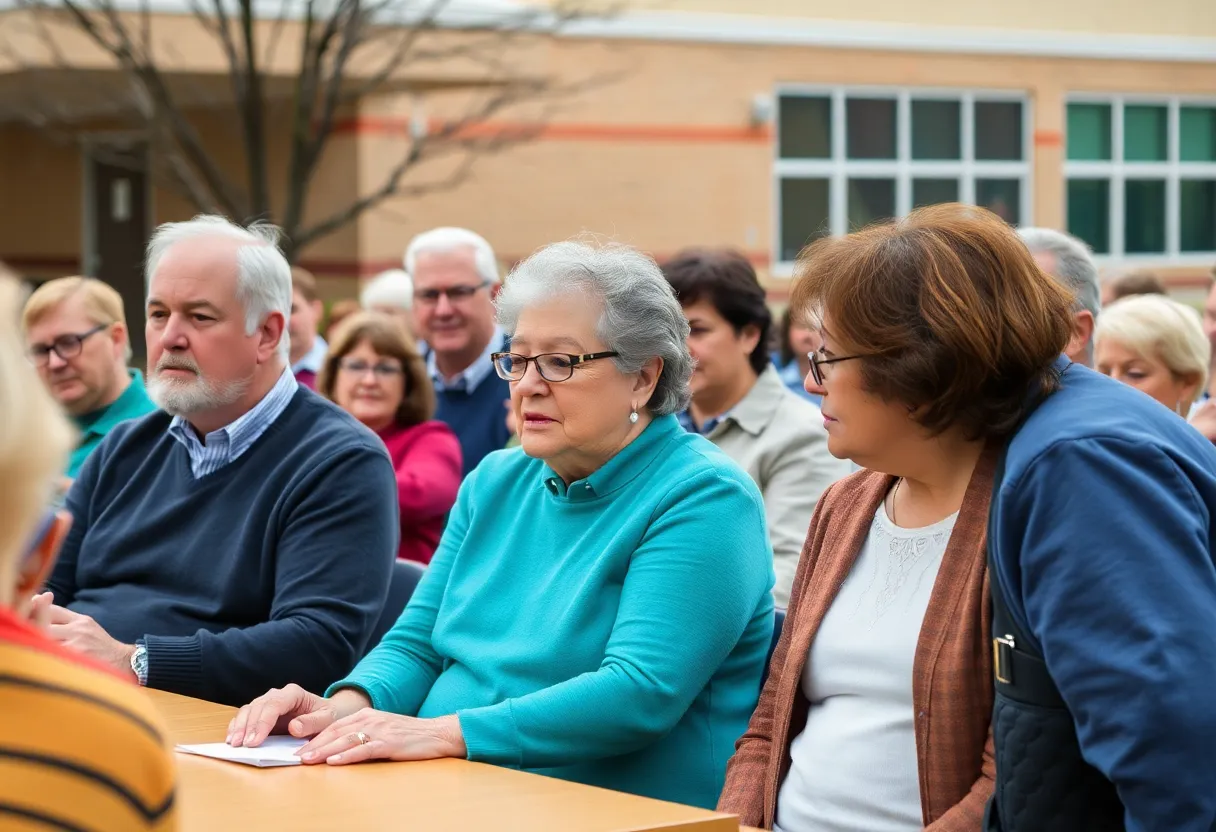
x: 599, y: 608
x: 391, y: 293
x: 1157, y: 345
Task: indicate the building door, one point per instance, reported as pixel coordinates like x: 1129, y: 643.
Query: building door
x: 119, y: 224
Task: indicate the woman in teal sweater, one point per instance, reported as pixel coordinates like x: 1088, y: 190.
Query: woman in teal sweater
x: 599, y: 608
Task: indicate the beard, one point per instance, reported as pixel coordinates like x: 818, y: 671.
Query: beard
x: 183, y: 397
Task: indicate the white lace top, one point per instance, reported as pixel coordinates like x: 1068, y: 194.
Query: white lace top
x: 854, y: 765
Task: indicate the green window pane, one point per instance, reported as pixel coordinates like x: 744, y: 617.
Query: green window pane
x: 804, y: 127
x: 1089, y: 132
x: 998, y: 130
x: 936, y: 130
x: 1144, y: 134
x: 870, y: 200
x: 1002, y: 197
x: 1089, y: 212
x: 933, y: 191
x: 1144, y: 216
x: 1198, y: 214
x: 804, y: 214
x: 870, y: 125
x: 1197, y: 126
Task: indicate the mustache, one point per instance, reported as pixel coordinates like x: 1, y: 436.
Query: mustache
x: 177, y: 362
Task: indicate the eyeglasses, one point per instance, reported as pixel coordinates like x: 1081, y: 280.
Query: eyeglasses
x: 455, y: 294
x: 65, y: 346
x: 552, y: 366
x: 382, y: 370
x: 819, y: 365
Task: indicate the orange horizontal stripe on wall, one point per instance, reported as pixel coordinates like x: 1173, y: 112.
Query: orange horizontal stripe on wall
x: 686, y: 133
x: 1048, y: 138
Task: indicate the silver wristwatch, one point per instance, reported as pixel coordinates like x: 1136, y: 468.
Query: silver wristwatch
x: 139, y: 663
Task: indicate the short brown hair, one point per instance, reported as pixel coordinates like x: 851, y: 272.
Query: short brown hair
x: 1136, y: 283
x: 953, y: 317
x: 304, y: 282
x: 727, y: 280
x: 388, y: 338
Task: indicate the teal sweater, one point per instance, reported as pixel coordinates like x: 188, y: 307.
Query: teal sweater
x: 611, y: 633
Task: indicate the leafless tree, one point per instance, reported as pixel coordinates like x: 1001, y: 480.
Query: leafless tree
x: 307, y: 64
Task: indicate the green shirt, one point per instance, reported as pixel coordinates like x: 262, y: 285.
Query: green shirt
x: 93, y: 427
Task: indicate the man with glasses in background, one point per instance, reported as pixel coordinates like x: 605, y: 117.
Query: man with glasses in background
x: 76, y: 337
x: 456, y: 278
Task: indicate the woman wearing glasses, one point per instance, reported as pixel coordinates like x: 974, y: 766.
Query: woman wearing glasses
x: 875, y: 716
x: 373, y: 372
x: 600, y: 606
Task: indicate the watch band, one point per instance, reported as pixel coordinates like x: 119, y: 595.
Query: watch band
x: 139, y: 663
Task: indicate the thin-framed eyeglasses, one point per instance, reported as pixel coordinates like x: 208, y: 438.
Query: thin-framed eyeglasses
x: 552, y: 366
x: 65, y: 346
x: 381, y: 369
x: 820, y: 365
x: 455, y: 294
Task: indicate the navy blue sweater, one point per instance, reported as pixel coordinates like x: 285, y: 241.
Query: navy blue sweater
x: 271, y: 570
x: 1104, y: 533
x: 478, y: 419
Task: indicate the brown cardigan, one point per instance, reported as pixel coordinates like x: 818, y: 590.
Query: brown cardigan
x: 952, y: 670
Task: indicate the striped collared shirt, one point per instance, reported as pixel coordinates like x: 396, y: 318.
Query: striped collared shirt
x: 229, y: 442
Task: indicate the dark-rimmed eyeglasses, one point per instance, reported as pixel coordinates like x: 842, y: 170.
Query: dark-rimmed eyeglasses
x: 819, y: 365
x: 455, y: 294
x: 381, y: 369
x: 552, y: 366
x: 65, y: 346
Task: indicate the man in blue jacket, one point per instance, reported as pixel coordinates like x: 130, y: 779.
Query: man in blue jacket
x: 242, y: 538
x: 1102, y: 535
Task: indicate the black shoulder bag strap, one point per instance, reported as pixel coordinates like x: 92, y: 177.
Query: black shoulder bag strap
x: 1020, y: 671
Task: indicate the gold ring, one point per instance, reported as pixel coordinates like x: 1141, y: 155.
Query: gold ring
x: 362, y: 737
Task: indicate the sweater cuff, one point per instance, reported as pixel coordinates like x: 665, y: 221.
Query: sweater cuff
x: 175, y: 664
x: 491, y: 736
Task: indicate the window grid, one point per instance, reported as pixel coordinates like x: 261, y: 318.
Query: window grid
x: 838, y: 169
x: 1118, y: 172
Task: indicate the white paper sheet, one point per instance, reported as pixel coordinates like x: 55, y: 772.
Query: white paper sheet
x: 275, y: 751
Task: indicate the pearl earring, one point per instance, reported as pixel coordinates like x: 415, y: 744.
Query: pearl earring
x: 633, y: 415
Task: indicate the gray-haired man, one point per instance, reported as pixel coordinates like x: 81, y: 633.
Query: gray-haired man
x: 1071, y: 262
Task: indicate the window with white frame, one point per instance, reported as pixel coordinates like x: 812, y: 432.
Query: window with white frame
x: 847, y: 157
x: 1142, y: 176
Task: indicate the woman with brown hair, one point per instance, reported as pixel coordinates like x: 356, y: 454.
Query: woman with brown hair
x: 938, y: 332
x: 374, y: 372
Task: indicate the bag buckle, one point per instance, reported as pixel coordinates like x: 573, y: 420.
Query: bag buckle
x: 1002, y: 658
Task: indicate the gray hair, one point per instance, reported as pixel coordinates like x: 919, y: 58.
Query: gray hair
x: 1074, y: 266
x: 263, y: 281
x: 390, y: 288
x: 446, y: 239
x: 641, y: 319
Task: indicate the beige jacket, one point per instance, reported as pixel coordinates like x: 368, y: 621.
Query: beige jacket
x: 779, y: 439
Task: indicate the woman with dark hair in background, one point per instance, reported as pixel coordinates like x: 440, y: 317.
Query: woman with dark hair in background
x: 740, y: 404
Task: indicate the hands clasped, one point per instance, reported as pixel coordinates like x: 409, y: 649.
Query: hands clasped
x: 344, y: 728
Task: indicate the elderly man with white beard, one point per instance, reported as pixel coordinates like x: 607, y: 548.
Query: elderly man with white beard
x: 243, y: 538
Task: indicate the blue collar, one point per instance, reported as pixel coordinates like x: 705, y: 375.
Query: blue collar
x: 314, y: 358
x: 466, y: 380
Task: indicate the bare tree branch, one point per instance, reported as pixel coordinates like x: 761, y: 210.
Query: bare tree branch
x: 350, y: 51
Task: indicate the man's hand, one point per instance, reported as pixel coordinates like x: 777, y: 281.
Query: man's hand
x: 84, y: 635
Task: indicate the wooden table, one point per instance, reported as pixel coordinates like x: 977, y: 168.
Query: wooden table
x: 440, y: 795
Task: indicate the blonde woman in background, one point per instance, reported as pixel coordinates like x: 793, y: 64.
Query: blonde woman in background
x: 80, y: 746
x: 1156, y: 345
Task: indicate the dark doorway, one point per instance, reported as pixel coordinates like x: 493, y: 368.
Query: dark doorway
x: 118, y: 217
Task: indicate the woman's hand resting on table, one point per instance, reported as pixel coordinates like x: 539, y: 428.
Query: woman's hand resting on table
x: 344, y: 728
